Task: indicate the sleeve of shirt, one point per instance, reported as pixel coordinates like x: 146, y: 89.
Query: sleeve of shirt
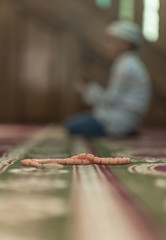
x: 96, y: 94
x: 93, y: 93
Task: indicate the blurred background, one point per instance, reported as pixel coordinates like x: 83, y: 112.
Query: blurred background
x: 44, y: 43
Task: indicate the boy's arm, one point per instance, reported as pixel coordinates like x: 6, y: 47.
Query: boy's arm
x: 95, y: 94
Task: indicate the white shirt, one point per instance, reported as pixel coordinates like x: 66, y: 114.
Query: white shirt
x: 121, y: 107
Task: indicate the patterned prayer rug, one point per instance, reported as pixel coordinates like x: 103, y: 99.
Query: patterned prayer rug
x: 90, y: 202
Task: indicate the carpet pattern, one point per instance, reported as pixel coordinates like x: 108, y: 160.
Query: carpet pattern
x: 81, y: 202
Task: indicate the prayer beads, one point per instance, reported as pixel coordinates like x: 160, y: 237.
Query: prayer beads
x: 81, y: 159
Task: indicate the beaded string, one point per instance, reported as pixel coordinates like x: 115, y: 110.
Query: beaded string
x: 81, y: 159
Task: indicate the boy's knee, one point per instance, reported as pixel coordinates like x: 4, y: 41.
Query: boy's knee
x: 70, y: 126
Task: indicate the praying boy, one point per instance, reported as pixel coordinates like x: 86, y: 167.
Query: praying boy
x: 119, y: 109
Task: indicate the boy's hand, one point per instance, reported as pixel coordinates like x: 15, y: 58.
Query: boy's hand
x: 80, y: 85
x: 81, y: 82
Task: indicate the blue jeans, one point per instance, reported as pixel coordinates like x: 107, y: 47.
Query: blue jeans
x: 86, y: 125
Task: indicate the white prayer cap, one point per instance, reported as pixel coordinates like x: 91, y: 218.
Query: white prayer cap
x: 125, y: 30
